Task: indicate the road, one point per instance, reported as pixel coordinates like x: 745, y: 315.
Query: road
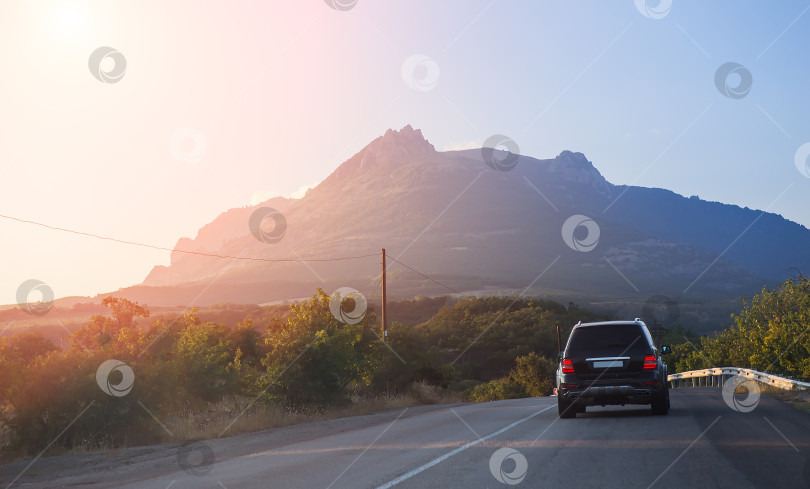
x: 701, y: 443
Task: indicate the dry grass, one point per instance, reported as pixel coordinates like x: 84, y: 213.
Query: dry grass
x: 237, y: 416
x: 241, y: 415
x: 428, y: 394
x: 5, y: 439
x: 233, y: 416
x: 796, y: 398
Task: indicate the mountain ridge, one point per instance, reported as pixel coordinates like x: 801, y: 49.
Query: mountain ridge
x: 449, y: 215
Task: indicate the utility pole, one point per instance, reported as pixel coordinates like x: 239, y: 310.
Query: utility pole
x: 384, y: 323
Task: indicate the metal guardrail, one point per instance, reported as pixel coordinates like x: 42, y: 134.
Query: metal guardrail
x: 718, y: 376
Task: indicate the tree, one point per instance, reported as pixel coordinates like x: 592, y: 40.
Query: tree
x: 203, y: 360
x: 772, y: 331
x: 125, y: 311
x: 313, y: 357
x: 29, y: 346
x: 103, y: 330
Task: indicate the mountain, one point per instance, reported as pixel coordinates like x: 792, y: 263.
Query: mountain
x: 450, y: 216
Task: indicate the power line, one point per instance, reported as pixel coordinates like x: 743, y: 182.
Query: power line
x: 425, y: 276
x: 161, y: 248
x: 214, y: 255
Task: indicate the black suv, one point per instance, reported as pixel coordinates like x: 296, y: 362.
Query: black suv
x: 611, y: 363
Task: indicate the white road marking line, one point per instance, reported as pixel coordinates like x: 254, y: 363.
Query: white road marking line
x: 438, y: 460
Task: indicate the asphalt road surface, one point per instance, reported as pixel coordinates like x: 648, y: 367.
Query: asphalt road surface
x: 702, y: 443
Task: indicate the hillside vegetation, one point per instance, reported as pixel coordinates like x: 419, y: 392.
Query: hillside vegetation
x: 770, y: 334
x: 305, y: 362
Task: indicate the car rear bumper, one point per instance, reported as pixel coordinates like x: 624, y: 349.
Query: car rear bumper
x: 609, y: 395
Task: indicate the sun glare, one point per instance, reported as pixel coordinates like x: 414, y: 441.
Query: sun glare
x: 67, y: 21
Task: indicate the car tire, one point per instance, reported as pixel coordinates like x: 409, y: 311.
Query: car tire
x: 660, y: 403
x: 565, y: 409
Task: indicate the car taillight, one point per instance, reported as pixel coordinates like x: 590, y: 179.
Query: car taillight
x: 650, y: 363
x: 567, y: 366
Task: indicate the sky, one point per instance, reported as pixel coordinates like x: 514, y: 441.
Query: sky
x: 143, y: 121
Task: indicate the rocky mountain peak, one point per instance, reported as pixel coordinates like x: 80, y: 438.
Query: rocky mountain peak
x: 575, y: 167
x: 397, y: 147
x: 407, y: 136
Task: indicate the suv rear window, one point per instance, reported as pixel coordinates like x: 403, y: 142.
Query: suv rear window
x: 607, y: 340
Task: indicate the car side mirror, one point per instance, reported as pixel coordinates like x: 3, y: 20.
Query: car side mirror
x: 665, y: 349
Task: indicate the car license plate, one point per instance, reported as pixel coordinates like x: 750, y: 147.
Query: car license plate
x: 608, y: 364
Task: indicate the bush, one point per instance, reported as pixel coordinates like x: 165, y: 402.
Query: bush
x: 532, y: 376
x: 535, y: 374
x: 496, y: 390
